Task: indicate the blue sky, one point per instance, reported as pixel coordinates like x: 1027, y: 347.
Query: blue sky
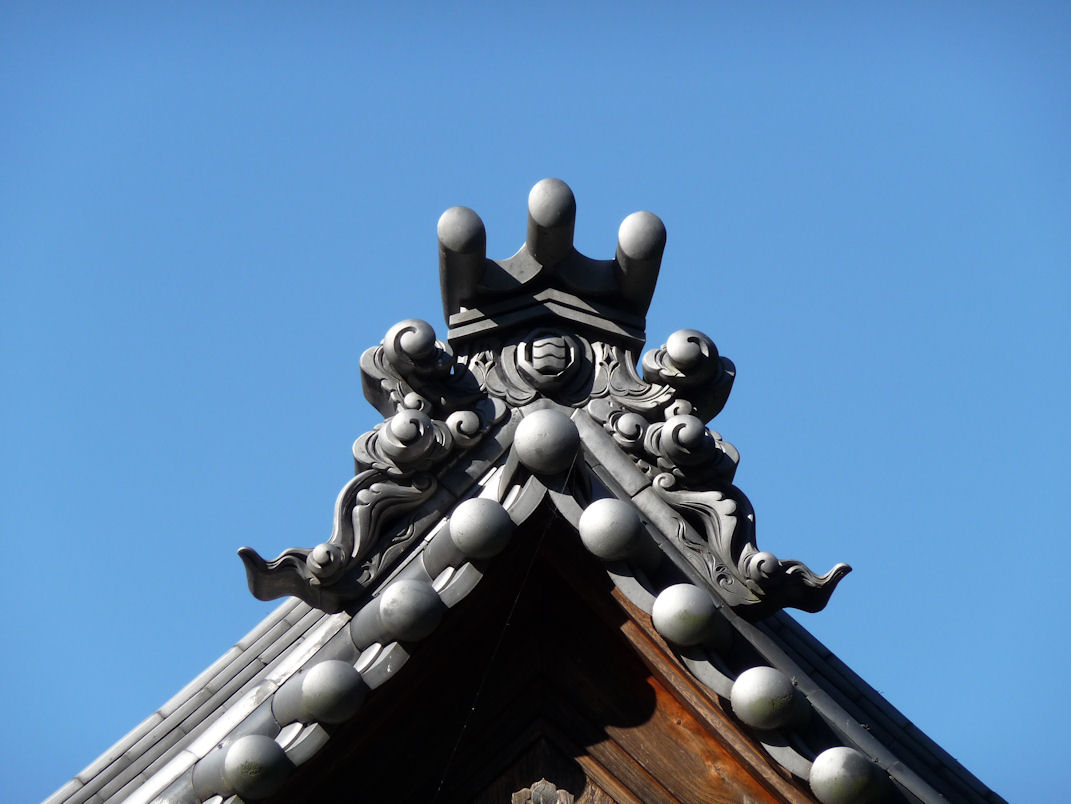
x: 208, y: 211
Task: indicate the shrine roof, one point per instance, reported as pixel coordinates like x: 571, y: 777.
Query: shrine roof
x: 532, y: 407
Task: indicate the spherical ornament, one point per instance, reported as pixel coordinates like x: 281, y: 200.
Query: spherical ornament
x: 326, y: 560
x: 546, y: 441
x: 409, y: 610
x: 408, y: 425
x: 842, y: 775
x: 255, y: 766
x: 551, y: 203
x: 611, y: 529
x: 762, y: 566
x: 764, y: 698
x: 685, y: 614
x: 464, y: 426
x: 683, y: 435
x: 331, y: 692
x: 411, y: 339
x: 461, y: 230
x: 480, y: 528
x: 642, y: 236
x: 688, y: 348
x: 631, y: 427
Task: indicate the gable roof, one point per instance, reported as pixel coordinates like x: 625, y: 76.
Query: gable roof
x: 534, y: 409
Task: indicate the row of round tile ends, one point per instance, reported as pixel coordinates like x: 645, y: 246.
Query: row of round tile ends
x: 409, y: 610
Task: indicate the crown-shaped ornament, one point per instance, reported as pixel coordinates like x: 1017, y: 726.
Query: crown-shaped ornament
x: 548, y: 280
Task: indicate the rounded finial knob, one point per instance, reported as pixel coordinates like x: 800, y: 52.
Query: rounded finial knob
x: 685, y: 439
x: 460, y: 230
x: 685, y: 614
x: 332, y: 692
x: 688, y: 348
x: 843, y: 775
x: 326, y: 560
x: 551, y: 203
x: 551, y: 220
x: 480, y: 528
x: 640, y: 243
x: 611, y: 529
x: 255, y: 766
x: 764, y: 698
x: 462, y: 255
x: 409, y: 610
x: 409, y: 341
x: 642, y: 236
x: 546, y: 441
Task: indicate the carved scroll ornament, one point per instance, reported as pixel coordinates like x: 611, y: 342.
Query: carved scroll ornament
x: 523, y: 330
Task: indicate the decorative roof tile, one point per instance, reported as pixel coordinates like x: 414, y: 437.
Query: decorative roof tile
x: 533, y: 403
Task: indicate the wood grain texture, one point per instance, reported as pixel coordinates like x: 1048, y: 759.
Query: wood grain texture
x: 558, y: 677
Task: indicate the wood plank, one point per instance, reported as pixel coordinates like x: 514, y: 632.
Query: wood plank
x: 577, y: 686
x: 702, y: 704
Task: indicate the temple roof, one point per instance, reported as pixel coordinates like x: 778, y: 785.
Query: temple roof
x: 531, y: 414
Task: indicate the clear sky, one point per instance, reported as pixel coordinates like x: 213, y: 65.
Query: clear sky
x: 208, y: 211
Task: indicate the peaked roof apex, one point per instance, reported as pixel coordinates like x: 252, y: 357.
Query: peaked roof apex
x: 540, y: 384
x: 544, y: 421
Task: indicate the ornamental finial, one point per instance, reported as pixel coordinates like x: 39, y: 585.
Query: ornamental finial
x: 548, y: 280
x: 537, y: 379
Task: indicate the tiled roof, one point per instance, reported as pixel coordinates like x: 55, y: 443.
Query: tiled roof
x: 233, y: 697
x: 477, y: 441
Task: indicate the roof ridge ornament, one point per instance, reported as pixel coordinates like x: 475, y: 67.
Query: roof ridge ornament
x: 548, y: 279
x: 540, y: 344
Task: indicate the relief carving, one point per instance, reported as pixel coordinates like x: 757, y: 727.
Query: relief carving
x: 548, y: 323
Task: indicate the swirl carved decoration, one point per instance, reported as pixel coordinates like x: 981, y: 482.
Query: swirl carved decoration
x: 434, y: 413
x: 438, y: 405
